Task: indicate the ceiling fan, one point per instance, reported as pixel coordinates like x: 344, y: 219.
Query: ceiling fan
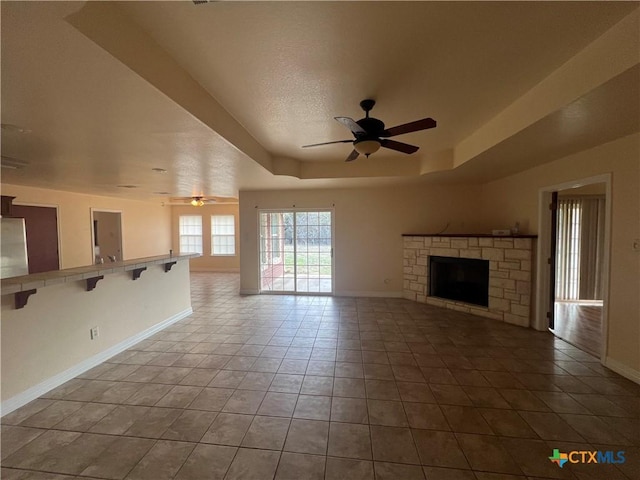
x: 200, y: 200
x: 370, y: 133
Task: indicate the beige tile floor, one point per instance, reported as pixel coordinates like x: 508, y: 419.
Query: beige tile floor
x: 312, y: 387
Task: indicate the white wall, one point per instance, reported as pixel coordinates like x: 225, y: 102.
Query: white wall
x: 369, y: 224
x: 515, y: 198
x: 52, y: 332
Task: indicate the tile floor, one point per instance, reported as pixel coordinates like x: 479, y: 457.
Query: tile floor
x: 311, y: 387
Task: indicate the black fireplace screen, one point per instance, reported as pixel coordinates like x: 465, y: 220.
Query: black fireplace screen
x: 460, y: 279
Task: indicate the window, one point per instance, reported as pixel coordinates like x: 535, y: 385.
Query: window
x: 223, y: 235
x: 191, y: 234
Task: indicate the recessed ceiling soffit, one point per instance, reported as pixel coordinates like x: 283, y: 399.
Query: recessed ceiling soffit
x: 112, y: 29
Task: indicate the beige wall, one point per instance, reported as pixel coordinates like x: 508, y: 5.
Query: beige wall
x: 146, y: 226
x: 515, y: 198
x: 51, y: 333
x: 208, y: 262
x: 368, y: 226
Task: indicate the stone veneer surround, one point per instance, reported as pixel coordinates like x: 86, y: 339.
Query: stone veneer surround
x: 510, y: 272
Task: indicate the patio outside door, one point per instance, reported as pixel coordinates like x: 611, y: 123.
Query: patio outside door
x: 296, y: 251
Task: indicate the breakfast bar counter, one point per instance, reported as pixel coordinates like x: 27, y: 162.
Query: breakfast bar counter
x: 77, y: 318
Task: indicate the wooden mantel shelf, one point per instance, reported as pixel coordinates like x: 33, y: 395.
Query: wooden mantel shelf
x: 466, y: 235
x: 25, y: 285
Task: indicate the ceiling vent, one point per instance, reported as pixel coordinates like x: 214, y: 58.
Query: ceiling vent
x: 13, y: 163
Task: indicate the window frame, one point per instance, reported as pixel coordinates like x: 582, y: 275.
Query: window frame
x: 182, y: 235
x: 227, y: 236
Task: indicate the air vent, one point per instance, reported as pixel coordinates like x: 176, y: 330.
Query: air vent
x: 13, y: 163
x: 10, y: 128
x: 200, y: 2
x: 127, y: 186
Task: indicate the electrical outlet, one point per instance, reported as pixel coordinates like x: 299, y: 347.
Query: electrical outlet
x: 94, y: 333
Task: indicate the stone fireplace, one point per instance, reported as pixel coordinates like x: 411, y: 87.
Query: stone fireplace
x: 510, y: 275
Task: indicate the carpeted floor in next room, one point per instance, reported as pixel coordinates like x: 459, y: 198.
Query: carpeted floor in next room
x: 312, y: 387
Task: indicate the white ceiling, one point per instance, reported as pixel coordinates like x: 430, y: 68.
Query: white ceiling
x: 223, y: 95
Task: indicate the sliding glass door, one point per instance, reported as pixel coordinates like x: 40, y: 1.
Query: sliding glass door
x: 296, y: 251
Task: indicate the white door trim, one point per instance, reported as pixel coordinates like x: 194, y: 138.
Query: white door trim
x: 92, y: 210
x: 544, y: 248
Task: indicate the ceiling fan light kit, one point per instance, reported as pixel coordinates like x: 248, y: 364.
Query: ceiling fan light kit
x: 370, y: 133
x: 197, y: 202
x: 366, y: 147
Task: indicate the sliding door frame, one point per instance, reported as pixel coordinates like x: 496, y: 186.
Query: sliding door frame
x: 295, y: 210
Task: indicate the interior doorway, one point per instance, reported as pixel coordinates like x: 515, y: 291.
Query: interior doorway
x: 296, y: 251
x: 579, y: 240
x: 41, y: 225
x: 574, y: 239
x: 107, y: 236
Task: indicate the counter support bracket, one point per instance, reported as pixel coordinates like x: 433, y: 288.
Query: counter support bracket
x: 167, y: 266
x: 21, y: 298
x: 91, y: 282
x: 136, y: 272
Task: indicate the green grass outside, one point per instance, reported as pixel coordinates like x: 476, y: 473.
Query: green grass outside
x: 313, y: 263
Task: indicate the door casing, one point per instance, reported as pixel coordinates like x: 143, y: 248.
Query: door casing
x: 543, y: 280
x: 58, y: 244
x: 120, y: 257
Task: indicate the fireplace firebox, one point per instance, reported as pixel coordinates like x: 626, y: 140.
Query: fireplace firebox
x: 460, y: 279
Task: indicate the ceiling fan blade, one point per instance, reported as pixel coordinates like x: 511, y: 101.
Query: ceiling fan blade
x: 351, y: 124
x: 418, y: 125
x: 352, y: 156
x: 399, y: 146
x: 327, y: 143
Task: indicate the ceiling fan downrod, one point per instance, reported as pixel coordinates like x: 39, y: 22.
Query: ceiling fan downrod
x: 367, y: 105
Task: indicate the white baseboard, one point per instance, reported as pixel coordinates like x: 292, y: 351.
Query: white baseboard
x: 622, y: 369
x: 49, y: 384
x: 344, y: 293
x: 353, y: 293
x: 214, y: 270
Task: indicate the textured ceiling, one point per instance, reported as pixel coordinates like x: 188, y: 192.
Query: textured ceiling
x: 223, y: 95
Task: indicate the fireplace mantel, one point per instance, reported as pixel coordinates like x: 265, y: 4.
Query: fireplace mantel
x: 466, y: 235
x: 510, y: 271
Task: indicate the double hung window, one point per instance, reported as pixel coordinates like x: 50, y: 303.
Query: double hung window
x: 190, y: 234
